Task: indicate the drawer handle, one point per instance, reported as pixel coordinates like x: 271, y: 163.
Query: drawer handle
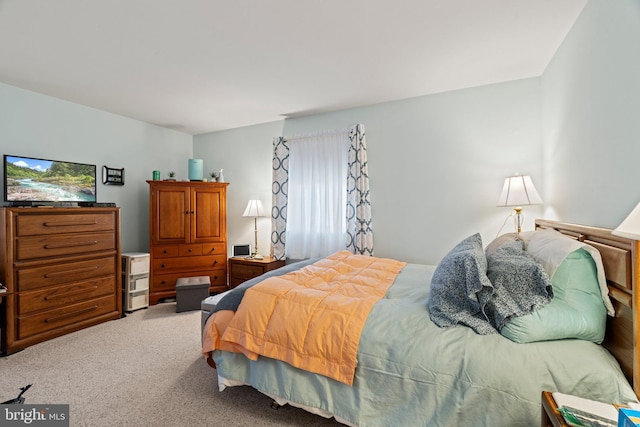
x: 70, y: 245
x: 162, y: 266
x: 215, y: 277
x: 67, y: 315
x: 190, y: 250
x: 68, y: 224
x: 71, y: 293
x: 55, y: 274
x: 215, y: 262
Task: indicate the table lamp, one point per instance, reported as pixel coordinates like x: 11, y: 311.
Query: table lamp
x: 255, y: 209
x: 518, y: 191
x: 630, y: 227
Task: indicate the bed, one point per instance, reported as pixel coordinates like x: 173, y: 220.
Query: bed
x: 410, y: 371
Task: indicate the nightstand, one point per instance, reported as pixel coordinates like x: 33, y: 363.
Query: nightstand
x: 551, y: 417
x: 242, y: 269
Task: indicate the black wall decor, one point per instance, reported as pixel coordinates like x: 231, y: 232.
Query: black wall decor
x: 112, y: 176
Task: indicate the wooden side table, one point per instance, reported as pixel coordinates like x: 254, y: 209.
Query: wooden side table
x: 551, y: 417
x: 242, y: 269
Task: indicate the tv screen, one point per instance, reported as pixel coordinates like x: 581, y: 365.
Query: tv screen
x: 28, y: 179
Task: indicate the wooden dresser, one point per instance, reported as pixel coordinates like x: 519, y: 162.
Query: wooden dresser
x: 188, y: 235
x: 62, y: 270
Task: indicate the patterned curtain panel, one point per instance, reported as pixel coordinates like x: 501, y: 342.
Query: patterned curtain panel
x: 359, y: 230
x: 279, y: 198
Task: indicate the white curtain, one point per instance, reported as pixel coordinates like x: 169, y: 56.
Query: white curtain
x: 317, y: 194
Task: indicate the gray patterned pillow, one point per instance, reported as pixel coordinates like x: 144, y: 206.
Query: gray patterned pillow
x: 521, y: 285
x: 460, y: 288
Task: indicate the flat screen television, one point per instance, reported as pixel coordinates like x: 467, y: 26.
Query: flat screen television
x: 31, y: 180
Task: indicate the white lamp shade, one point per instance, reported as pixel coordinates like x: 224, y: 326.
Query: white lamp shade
x: 630, y: 227
x: 254, y: 208
x: 518, y: 190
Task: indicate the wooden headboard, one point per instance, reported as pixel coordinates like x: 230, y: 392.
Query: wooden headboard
x: 622, y: 266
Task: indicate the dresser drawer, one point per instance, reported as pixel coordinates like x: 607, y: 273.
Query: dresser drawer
x: 58, y: 296
x: 167, y: 282
x: 60, y: 273
x: 69, y: 315
x: 32, y: 225
x: 49, y: 246
x: 188, y: 263
x: 245, y: 272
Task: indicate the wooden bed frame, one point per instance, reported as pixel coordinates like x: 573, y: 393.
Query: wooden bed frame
x: 620, y: 257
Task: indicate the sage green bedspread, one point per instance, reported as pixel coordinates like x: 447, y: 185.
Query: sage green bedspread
x: 410, y: 372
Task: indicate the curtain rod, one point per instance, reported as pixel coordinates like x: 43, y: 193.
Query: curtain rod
x: 321, y: 133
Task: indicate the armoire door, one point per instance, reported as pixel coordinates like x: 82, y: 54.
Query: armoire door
x: 171, y: 216
x: 208, y: 219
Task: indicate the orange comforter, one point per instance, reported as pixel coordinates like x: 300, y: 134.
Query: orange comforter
x: 311, y: 318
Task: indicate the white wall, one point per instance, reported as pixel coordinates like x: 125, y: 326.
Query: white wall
x: 36, y: 125
x: 436, y: 164
x: 245, y: 156
x: 591, y: 120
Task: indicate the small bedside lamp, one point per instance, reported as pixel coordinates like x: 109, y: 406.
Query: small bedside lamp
x: 255, y: 209
x: 630, y: 227
x: 518, y: 191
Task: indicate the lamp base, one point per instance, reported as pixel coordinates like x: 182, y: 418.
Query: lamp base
x: 256, y: 255
x: 518, y: 211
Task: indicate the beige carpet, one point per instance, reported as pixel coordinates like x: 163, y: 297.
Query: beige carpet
x: 141, y: 370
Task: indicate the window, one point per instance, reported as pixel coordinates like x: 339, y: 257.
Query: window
x: 325, y: 196
x: 316, y: 223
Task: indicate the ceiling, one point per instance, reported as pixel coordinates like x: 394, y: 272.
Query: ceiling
x: 199, y: 66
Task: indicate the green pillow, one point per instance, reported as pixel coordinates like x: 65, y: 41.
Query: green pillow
x: 576, y: 310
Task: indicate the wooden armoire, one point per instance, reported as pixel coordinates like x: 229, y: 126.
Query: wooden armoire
x: 188, y: 235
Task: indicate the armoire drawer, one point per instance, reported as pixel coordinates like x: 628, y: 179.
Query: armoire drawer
x: 49, y: 320
x: 166, y: 251
x: 197, y: 249
x: 33, y: 225
x: 70, y: 272
x: 49, y: 246
x: 167, y: 282
x: 188, y: 263
x: 214, y: 249
x: 63, y: 295
x: 190, y: 250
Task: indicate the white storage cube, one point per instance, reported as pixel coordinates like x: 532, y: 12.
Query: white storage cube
x: 140, y: 283
x: 137, y: 301
x: 135, y: 263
